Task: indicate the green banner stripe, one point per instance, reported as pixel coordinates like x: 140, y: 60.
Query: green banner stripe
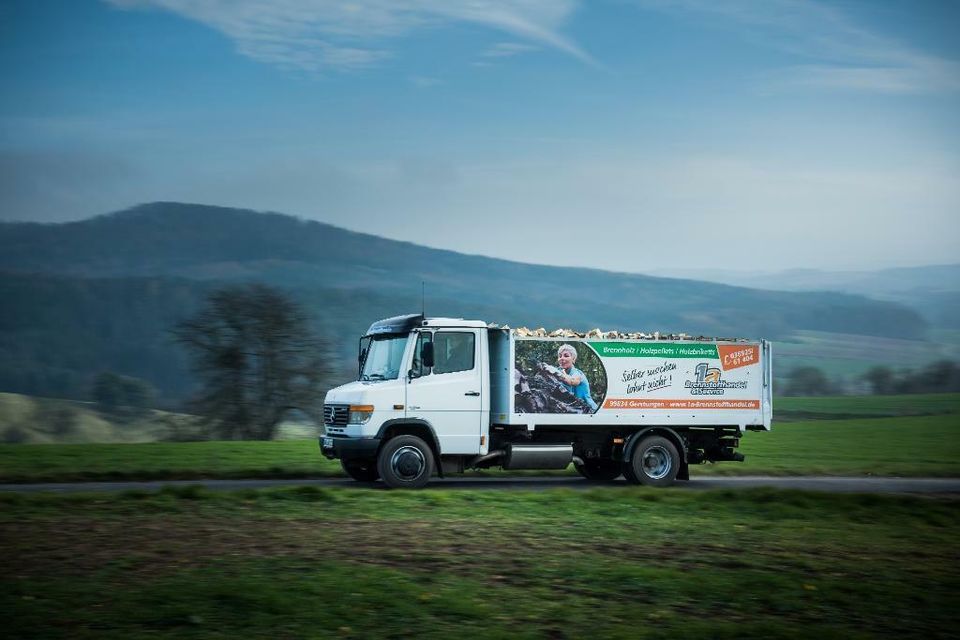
x: 662, y: 350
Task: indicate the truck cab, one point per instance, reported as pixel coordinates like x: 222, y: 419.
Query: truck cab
x: 422, y: 390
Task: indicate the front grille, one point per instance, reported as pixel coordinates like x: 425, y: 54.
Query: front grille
x: 336, y: 414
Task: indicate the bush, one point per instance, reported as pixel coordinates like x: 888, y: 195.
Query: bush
x: 15, y: 435
x: 112, y: 391
x: 808, y: 381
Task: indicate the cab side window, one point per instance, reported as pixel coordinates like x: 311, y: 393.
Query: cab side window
x: 453, y: 351
x: 417, y: 366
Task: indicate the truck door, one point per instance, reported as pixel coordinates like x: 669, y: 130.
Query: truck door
x: 449, y: 395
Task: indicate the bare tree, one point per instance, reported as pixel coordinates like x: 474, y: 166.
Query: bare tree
x: 253, y: 348
x: 881, y: 380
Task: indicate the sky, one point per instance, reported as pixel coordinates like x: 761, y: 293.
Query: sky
x: 630, y: 135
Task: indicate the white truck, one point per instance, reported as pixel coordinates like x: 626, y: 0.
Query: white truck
x: 443, y: 395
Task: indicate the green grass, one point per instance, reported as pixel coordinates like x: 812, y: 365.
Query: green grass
x: 606, y: 563
x: 924, y: 440
x: 165, y: 460
x: 911, y: 446
x: 788, y: 408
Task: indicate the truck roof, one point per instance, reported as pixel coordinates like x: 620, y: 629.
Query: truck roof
x: 396, y: 324
x: 409, y: 322
x: 454, y: 322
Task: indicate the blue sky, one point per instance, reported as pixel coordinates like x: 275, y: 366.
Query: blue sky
x: 634, y: 135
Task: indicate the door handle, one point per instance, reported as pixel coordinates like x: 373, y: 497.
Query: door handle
x: 472, y: 393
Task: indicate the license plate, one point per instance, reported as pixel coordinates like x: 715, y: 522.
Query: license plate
x: 328, y: 443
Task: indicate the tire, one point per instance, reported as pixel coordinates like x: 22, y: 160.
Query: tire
x: 599, y: 470
x: 655, y: 462
x: 361, y: 470
x: 405, y: 462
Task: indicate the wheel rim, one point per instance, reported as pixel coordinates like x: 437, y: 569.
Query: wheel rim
x: 407, y: 462
x: 656, y: 463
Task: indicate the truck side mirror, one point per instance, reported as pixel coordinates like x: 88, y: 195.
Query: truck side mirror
x: 426, y: 354
x: 360, y: 358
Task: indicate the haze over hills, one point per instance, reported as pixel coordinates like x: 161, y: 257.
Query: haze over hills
x: 945, y: 277
x: 101, y: 293
x: 933, y: 290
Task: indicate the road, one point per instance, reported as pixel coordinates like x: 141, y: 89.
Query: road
x: 833, y: 484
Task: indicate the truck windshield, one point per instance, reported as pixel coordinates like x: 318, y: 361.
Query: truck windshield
x: 384, y: 358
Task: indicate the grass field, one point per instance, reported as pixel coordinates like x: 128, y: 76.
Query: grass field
x: 605, y: 563
x: 164, y: 460
x: 612, y: 562
x: 911, y: 446
x: 786, y: 409
x: 922, y: 439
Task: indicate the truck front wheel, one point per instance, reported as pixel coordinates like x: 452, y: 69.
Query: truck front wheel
x: 405, y: 462
x: 655, y: 462
x: 360, y: 470
x: 599, y: 470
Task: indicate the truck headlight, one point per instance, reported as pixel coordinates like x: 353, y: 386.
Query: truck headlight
x: 360, y: 413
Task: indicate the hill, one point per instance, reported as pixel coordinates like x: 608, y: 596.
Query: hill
x: 213, y: 243
x: 102, y: 294
x: 33, y: 420
x: 25, y: 419
x: 934, y: 290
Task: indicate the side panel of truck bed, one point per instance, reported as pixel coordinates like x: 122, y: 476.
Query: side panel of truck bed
x: 501, y: 386
x: 639, y: 382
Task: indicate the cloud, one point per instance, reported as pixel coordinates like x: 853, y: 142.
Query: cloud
x: 424, y: 82
x: 844, y: 55
x: 316, y: 35
x: 878, y: 79
x: 507, y: 50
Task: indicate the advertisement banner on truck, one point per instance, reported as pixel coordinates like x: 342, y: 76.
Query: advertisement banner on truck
x: 577, y: 376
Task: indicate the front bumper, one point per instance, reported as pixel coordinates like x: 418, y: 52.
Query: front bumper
x: 334, y: 447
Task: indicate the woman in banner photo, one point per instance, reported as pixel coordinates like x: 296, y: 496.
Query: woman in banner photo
x: 572, y: 378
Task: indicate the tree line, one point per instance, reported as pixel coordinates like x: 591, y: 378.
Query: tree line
x: 258, y: 357
x: 942, y: 376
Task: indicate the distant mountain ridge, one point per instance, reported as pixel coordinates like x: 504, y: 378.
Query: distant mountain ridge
x: 880, y: 282
x: 217, y: 243
x: 932, y: 290
x: 101, y: 294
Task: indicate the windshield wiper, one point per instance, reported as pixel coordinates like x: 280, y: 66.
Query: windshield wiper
x: 375, y: 376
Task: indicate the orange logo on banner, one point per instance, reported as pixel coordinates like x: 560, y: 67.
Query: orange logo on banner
x: 734, y: 356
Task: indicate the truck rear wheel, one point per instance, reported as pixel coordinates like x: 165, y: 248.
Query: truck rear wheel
x: 599, y: 470
x: 655, y: 462
x: 361, y: 470
x: 405, y: 462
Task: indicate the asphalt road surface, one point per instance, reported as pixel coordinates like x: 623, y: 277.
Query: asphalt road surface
x: 831, y: 484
